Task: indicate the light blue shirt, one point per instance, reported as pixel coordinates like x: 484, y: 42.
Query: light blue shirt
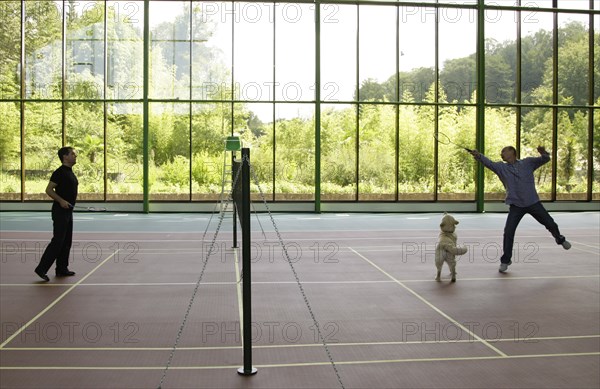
x: 518, y: 178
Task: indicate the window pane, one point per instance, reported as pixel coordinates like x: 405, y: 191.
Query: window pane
x: 573, y: 59
x: 295, y: 52
x: 169, y: 143
x: 416, y: 166
x: 253, y: 51
x: 417, y: 56
x: 338, y: 152
x: 211, y: 124
x: 170, y: 49
x: 43, y: 50
x: 124, y: 152
x: 10, y: 50
x: 572, y: 147
x: 85, y: 132
x: 338, y: 52
x: 500, y: 131
x: 536, y: 130
x: 536, y: 58
x: 597, y: 60
x: 125, y: 49
x: 377, y: 152
x: 457, y: 44
x: 575, y: 4
x: 295, y: 153
x: 377, y: 50
x: 211, y: 50
x: 456, y: 167
x: 84, y: 66
x: 500, y: 57
x: 43, y: 138
x: 596, y: 156
x: 10, y: 154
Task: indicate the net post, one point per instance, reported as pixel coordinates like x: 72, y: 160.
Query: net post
x: 233, y: 170
x: 247, y: 369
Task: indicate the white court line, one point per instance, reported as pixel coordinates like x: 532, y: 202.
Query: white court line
x: 55, y: 301
x: 302, y: 345
x: 432, y: 306
x: 335, y: 282
x: 302, y: 364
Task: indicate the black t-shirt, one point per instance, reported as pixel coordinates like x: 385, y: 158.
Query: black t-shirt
x: 66, y: 183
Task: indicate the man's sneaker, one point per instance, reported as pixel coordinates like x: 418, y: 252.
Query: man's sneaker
x: 566, y: 245
x: 504, y: 267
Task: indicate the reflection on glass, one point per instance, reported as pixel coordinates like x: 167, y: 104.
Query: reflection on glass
x: 125, y: 50
x: 124, y: 167
x: 43, y: 138
x: 43, y: 50
x: 84, y: 66
x: 10, y: 87
x: 211, y: 51
x: 170, y: 52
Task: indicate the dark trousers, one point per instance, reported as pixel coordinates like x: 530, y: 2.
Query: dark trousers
x: 60, y: 246
x: 515, y: 214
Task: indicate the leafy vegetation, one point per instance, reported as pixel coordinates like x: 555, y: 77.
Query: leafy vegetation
x: 366, y: 148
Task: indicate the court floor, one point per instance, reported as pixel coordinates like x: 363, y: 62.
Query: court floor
x: 366, y: 279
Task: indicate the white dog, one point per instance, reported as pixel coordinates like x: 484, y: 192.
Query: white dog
x: 446, y: 249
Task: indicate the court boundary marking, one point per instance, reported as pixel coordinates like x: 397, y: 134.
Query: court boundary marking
x: 56, y: 301
x: 333, y: 282
x: 306, y: 345
x: 439, y: 311
x: 307, y: 364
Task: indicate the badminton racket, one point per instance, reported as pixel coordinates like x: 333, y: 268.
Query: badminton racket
x: 89, y: 209
x: 445, y: 140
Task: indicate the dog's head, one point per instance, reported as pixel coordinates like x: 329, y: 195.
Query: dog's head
x: 448, y: 223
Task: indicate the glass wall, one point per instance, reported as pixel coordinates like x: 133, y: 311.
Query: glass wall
x: 363, y: 88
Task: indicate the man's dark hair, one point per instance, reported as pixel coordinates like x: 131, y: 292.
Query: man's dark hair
x: 64, y: 151
x: 511, y: 148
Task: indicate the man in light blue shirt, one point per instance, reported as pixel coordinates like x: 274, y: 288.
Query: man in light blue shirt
x: 521, y: 196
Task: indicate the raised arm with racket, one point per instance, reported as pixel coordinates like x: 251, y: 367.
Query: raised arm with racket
x: 445, y: 140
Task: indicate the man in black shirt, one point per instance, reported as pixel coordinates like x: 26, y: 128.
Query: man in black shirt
x: 62, y: 188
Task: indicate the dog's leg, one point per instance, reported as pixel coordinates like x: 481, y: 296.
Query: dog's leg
x: 452, y: 266
x: 438, y: 276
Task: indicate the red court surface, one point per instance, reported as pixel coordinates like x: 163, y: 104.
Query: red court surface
x: 368, y: 280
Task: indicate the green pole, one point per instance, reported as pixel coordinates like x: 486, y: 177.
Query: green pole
x: 480, y: 125
x: 145, y: 119
x: 317, y: 107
